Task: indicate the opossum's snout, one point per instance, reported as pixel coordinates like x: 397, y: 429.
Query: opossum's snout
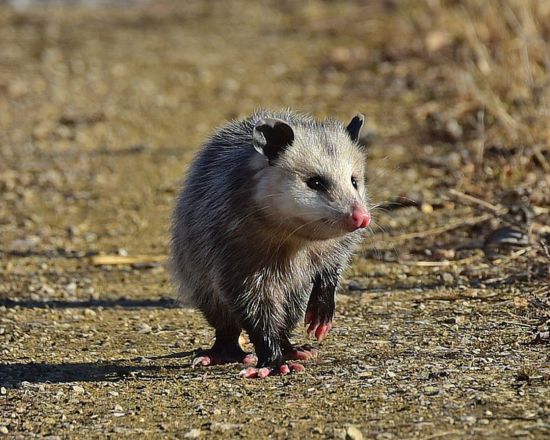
x: 358, y: 218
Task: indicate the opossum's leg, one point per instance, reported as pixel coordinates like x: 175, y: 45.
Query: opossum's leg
x: 289, y: 353
x: 267, y: 367
x: 224, y: 351
x: 226, y: 348
x: 263, y: 328
x: 266, y: 343
x: 320, y: 308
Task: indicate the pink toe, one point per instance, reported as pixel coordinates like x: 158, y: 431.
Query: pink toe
x: 297, y: 368
x: 311, y: 329
x: 263, y: 372
x: 301, y: 355
x: 284, y: 369
x: 249, y: 373
x: 322, y: 331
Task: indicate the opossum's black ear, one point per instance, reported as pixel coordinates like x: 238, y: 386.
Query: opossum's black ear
x: 354, y: 127
x: 271, y: 137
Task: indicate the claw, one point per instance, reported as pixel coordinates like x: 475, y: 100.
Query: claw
x: 249, y: 373
x: 311, y: 329
x: 208, y: 357
x: 310, y: 316
x: 201, y: 360
x: 322, y: 331
x: 316, y: 326
x: 284, y: 369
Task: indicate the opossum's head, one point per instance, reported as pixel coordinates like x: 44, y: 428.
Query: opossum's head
x: 311, y: 176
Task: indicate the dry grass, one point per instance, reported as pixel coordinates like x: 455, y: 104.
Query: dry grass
x: 494, y: 60
x: 499, y: 58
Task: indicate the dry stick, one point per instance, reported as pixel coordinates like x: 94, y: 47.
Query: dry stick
x: 440, y: 263
x: 494, y: 297
x: 476, y: 201
x: 444, y: 434
x: 512, y: 256
x: 468, y: 221
x: 102, y: 260
x: 441, y: 229
x: 541, y: 159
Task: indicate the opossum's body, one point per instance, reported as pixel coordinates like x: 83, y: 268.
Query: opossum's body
x: 265, y: 223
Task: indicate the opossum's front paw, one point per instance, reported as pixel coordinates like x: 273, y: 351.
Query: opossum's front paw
x: 300, y: 353
x: 319, y: 321
x: 281, y: 370
x: 217, y: 357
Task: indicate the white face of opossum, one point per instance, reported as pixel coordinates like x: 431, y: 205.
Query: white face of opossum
x: 314, y: 178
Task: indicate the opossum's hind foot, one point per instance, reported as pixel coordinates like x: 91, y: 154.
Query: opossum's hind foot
x: 300, y: 353
x: 281, y: 370
x: 318, y: 324
x: 223, y: 355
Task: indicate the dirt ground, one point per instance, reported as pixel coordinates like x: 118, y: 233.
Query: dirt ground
x: 442, y: 321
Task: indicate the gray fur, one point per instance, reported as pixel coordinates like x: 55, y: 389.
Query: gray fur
x: 241, y: 260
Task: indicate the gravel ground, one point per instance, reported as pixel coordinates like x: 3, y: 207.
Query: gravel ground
x: 442, y: 321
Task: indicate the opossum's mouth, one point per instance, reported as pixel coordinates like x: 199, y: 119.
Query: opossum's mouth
x: 346, y: 224
x: 325, y: 228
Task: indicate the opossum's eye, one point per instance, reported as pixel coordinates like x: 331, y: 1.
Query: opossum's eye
x: 354, y: 182
x: 317, y: 183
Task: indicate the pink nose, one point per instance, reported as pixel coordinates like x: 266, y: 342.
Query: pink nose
x: 359, y: 218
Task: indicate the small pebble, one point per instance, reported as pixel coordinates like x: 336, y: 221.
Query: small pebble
x: 353, y: 433
x: 24, y: 245
x: 447, y: 278
x: 454, y: 320
x: 4, y: 430
x: 89, y: 312
x: 118, y: 411
x: 78, y: 389
x: 431, y: 391
x: 48, y: 290
x: 144, y: 328
x: 194, y: 433
x: 71, y: 288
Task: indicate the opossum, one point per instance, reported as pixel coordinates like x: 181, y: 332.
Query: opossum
x: 266, y: 221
